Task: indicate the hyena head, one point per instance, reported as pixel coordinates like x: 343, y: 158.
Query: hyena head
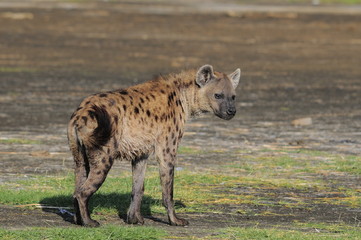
x: 217, y: 91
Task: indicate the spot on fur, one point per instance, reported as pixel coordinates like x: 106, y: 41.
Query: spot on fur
x: 123, y: 92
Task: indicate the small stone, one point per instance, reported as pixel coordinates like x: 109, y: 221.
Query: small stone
x: 43, y: 154
x: 17, y: 15
x: 302, y: 122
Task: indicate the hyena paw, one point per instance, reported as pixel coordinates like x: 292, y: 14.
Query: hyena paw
x: 91, y: 223
x: 135, y: 219
x: 179, y: 222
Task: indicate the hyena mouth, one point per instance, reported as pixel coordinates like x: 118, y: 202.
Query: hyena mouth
x: 225, y: 115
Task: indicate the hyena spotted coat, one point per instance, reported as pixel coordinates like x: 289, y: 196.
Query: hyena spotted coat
x: 136, y: 122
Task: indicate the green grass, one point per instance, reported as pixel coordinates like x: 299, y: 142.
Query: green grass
x: 75, y: 233
x: 283, y: 162
x: 19, y: 141
x: 191, y: 190
x: 16, y: 70
x: 311, y: 232
x: 189, y: 150
x: 278, y: 234
x: 267, y: 173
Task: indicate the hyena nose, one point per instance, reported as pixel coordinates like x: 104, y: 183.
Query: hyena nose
x: 231, y: 111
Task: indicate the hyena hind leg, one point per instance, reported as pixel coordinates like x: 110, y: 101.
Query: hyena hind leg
x: 83, y: 192
x: 81, y: 174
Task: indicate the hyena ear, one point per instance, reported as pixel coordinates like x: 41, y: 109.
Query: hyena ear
x: 235, y: 76
x: 204, y: 75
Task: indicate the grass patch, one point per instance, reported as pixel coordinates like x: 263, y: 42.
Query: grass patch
x: 193, y: 192
x: 16, y: 70
x: 311, y: 177
x: 18, y: 141
x: 189, y: 150
x: 104, y: 232
x: 272, y: 163
x: 324, y: 227
x: 268, y: 183
x: 278, y: 234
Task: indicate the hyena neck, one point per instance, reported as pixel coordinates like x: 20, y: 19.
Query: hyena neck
x: 189, y: 92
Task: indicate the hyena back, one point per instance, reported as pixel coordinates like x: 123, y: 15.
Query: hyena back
x: 136, y: 122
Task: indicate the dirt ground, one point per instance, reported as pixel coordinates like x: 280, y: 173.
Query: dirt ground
x: 296, y: 62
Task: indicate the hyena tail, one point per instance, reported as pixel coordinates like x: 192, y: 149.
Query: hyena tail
x: 85, y: 139
x: 101, y: 135
x: 76, y: 145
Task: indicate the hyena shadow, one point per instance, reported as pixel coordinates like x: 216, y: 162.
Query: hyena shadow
x: 62, y: 205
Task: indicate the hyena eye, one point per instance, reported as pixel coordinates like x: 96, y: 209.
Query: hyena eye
x: 218, y: 95
x: 233, y: 97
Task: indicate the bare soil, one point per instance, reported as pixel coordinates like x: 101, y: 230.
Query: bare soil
x: 295, y: 63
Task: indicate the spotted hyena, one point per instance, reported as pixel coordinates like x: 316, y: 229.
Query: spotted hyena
x: 136, y: 122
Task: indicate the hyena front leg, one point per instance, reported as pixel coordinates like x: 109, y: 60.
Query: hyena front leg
x: 138, y: 169
x: 99, y: 166
x: 166, y: 171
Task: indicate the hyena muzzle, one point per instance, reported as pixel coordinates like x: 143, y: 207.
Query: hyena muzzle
x: 139, y: 121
